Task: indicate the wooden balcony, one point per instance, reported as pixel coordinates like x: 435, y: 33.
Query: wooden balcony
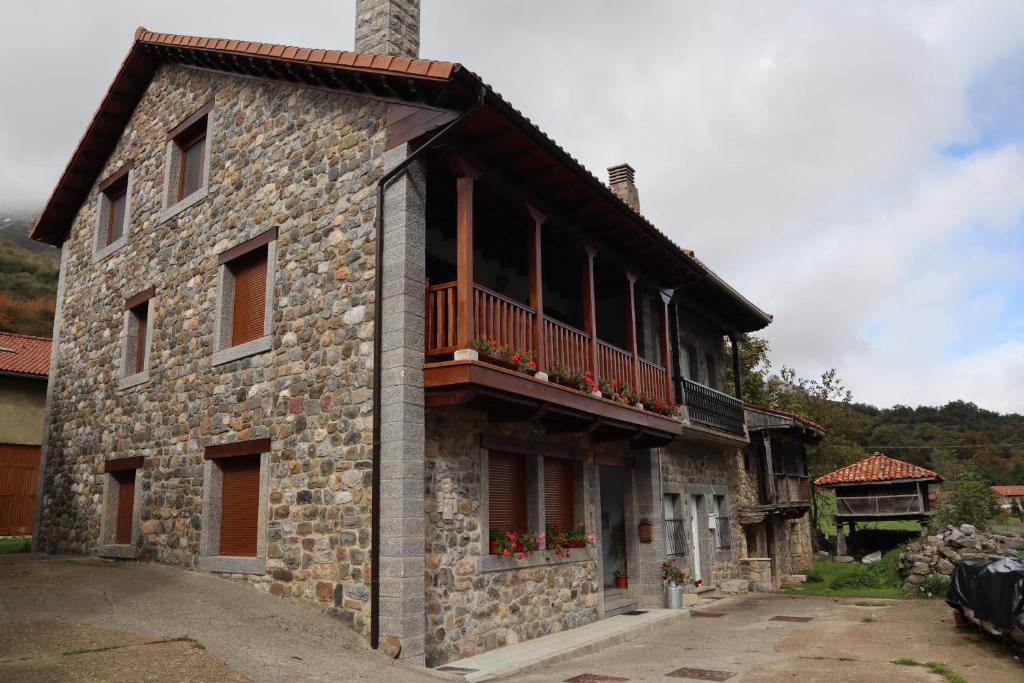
x: 516, y: 326
x: 880, y: 506
x: 792, y: 488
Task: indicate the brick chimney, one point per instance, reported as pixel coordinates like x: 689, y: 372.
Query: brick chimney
x: 621, y: 182
x: 388, y: 27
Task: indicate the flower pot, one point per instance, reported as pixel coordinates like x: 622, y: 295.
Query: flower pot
x: 622, y: 582
x: 674, y: 596
x: 492, y: 548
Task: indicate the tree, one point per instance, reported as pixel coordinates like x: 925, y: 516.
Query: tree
x: 965, y: 499
x: 754, y: 368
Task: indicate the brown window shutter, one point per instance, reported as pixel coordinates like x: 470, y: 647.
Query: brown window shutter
x: 249, y: 297
x: 239, y: 505
x: 559, y: 507
x: 125, y: 506
x: 141, y: 318
x: 506, y: 486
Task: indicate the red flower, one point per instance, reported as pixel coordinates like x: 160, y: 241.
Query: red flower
x: 533, y: 364
x: 494, y: 343
x: 519, y: 556
x: 505, y: 552
x: 515, y: 358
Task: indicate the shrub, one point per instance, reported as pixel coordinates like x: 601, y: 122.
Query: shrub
x: 965, y: 499
x: 933, y: 586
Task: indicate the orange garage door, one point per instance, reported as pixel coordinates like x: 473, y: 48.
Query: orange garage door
x: 19, y: 470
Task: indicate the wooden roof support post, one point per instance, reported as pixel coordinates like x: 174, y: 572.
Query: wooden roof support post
x: 666, y: 297
x: 590, y: 307
x: 466, y: 331
x: 737, y: 378
x: 769, y: 470
x: 537, y: 289
x: 634, y: 370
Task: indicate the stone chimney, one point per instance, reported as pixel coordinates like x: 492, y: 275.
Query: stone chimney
x: 621, y: 182
x: 388, y: 27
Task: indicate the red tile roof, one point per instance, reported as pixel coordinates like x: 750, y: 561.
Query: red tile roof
x: 1009, y: 490
x: 24, y: 355
x: 875, y: 467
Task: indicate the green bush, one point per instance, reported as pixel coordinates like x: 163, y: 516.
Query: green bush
x: 965, y: 499
x: 933, y: 586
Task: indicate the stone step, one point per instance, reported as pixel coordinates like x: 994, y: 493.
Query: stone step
x: 618, y: 606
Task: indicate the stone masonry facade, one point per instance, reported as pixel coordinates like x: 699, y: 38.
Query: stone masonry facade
x: 301, y: 161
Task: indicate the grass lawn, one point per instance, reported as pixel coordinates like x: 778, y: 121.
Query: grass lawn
x: 853, y: 579
x: 15, y: 545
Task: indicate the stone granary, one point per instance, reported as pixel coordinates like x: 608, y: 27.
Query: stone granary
x: 878, y: 488
x: 344, y: 324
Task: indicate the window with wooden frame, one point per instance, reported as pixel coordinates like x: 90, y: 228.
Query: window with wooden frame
x: 113, y: 212
x: 119, y: 527
x: 125, y: 506
x: 137, y: 336
x: 235, y: 490
x: 559, y: 498
x: 239, y: 505
x: 117, y: 201
x: 188, y: 161
x: 245, y: 299
x: 506, y: 492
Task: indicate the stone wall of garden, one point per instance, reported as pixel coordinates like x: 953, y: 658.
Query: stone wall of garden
x: 937, y: 554
x: 299, y: 160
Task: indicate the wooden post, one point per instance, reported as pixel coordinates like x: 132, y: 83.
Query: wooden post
x: 769, y: 471
x: 634, y: 371
x: 537, y: 289
x: 736, y: 379
x: 466, y: 331
x: 666, y: 297
x: 589, y: 307
x: 840, y: 538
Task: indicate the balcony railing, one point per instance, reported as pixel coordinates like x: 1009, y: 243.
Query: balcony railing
x: 792, y: 488
x: 879, y: 505
x: 512, y: 325
x: 712, y: 408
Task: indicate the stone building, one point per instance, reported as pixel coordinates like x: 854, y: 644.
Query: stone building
x: 237, y: 219
x: 24, y: 367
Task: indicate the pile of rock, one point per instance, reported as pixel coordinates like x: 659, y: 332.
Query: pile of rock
x: 938, y: 554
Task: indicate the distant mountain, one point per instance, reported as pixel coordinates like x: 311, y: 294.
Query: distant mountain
x: 28, y: 278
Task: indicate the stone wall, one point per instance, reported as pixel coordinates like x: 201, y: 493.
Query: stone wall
x: 937, y: 554
x: 281, y: 156
x: 471, y: 608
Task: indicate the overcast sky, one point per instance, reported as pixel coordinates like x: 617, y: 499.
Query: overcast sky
x: 855, y: 168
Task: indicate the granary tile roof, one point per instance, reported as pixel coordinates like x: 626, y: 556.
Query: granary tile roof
x: 24, y: 355
x: 1009, y: 490
x: 875, y: 467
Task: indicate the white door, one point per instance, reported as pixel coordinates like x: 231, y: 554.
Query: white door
x: 695, y: 535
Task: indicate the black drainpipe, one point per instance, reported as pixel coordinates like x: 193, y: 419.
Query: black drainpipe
x: 378, y: 318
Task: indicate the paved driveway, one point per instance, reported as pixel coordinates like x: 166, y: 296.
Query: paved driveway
x: 841, y: 641
x: 64, y: 618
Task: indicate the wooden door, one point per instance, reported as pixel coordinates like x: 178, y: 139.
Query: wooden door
x: 19, y: 473
x: 239, y: 505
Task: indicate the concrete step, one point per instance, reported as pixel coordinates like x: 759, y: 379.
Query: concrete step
x: 618, y: 605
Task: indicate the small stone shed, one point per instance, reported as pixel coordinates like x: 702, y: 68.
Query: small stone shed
x: 878, y: 488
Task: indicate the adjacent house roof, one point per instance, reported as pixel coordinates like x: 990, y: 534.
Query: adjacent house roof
x: 24, y: 355
x: 497, y: 132
x: 1008, y: 490
x: 875, y: 467
x: 763, y: 417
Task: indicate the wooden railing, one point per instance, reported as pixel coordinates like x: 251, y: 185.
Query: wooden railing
x: 651, y: 380
x: 879, y: 505
x: 442, y: 321
x: 614, y: 363
x: 503, y: 319
x: 792, y: 488
x: 566, y: 345
x: 712, y: 408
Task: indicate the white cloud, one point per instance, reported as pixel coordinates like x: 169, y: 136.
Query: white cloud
x: 793, y: 145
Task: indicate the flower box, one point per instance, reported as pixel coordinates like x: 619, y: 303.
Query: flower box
x: 498, y: 361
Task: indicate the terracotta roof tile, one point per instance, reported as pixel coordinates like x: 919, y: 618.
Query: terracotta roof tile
x: 1009, y: 490
x: 775, y: 411
x: 25, y: 355
x: 875, y: 467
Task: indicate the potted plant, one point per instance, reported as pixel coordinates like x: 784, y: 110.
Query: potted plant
x: 524, y: 361
x: 517, y: 544
x: 674, y: 579
x: 492, y: 352
x: 562, y: 541
x: 621, y: 580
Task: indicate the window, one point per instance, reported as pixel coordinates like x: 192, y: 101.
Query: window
x: 688, y: 361
x: 718, y: 522
x: 506, y: 492
x: 125, y: 506
x: 559, y: 503
x: 245, y: 299
x: 113, y: 212
x: 138, y: 332
x: 235, y: 496
x: 675, y: 527
x: 188, y: 162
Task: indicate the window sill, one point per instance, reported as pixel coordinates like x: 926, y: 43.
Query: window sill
x: 547, y: 558
x: 119, y: 551
x: 191, y: 200
x: 249, y: 348
x: 233, y: 565
x: 133, y: 380
x: 103, y: 252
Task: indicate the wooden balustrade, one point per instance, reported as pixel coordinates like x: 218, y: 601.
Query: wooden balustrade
x: 566, y: 345
x: 503, y: 319
x: 614, y: 363
x: 792, y: 488
x: 650, y: 379
x: 441, y: 319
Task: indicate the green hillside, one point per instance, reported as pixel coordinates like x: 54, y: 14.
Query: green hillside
x: 28, y: 280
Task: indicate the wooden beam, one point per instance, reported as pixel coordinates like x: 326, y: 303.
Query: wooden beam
x: 590, y: 305
x: 466, y: 331
x: 537, y: 288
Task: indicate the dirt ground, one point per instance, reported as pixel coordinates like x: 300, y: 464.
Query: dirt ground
x: 78, y: 619
x: 842, y: 641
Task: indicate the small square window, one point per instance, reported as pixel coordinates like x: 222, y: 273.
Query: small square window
x: 193, y: 155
